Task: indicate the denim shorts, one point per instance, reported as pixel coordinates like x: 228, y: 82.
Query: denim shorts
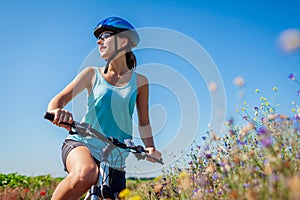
x: 117, y: 178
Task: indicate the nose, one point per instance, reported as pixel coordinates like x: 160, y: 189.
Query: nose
x: 99, y: 41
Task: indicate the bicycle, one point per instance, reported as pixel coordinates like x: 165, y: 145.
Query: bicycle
x: 101, y: 189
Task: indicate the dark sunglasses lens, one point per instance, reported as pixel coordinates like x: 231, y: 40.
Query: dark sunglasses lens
x: 104, y: 36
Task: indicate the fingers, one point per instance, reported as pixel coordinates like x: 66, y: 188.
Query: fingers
x: 154, y: 154
x: 61, y: 115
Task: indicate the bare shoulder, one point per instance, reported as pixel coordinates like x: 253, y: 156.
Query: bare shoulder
x: 141, y: 80
x: 86, y: 77
x: 88, y: 70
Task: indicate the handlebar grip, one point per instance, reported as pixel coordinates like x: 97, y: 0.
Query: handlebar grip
x: 49, y: 116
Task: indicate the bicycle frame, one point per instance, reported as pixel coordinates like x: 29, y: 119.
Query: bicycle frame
x: 101, y: 189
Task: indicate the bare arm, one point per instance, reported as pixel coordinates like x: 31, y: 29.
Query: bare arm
x: 143, y: 111
x: 143, y: 117
x: 83, y: 80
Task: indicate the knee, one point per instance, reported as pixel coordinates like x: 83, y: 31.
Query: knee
x: 84, y: 176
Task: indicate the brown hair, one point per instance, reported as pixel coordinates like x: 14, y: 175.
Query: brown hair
x: 130, y: 60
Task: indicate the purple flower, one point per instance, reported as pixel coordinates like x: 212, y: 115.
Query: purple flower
x: 215, y: 177
x: 292, y: 76
x: 262, y: 130
x: 208, y: 155
x: 239, y: 142
x: 266, y: 142
x: 298, y: 92
x: 221, y: 164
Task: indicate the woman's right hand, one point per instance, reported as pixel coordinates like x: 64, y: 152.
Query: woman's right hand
x: 61, y: 115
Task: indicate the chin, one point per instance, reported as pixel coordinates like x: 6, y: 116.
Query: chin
x: 104, y: 56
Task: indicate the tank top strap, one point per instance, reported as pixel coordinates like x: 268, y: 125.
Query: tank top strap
x: 97, y: 73
x: 98, y: 76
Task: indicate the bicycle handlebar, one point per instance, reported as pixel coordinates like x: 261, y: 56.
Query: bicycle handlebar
x: 85, y: 129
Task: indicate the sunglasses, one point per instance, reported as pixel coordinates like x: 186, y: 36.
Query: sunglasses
x: 104, y: 36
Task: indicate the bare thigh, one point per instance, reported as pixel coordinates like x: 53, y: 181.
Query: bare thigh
x: 81, y: 162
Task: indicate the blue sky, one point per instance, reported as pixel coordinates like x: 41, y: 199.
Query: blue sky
x: 44, y: 45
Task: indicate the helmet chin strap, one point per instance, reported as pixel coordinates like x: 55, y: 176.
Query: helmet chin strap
x: 114, y: 55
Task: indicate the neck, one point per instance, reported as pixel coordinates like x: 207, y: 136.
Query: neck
x: 118, y: 66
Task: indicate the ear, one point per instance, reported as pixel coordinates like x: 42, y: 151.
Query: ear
x: 123, y: 41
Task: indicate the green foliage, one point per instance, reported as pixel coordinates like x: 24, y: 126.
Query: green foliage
x: 16, y: 186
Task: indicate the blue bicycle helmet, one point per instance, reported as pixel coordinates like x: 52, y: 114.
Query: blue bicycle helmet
x: 118, y: 25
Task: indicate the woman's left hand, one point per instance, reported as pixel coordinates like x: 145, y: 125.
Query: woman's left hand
x: 153, y: 153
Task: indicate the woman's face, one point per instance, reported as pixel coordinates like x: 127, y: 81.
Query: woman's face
x: 106, y: 43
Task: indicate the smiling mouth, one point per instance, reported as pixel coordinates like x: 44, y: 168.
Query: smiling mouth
x: 102, y: 48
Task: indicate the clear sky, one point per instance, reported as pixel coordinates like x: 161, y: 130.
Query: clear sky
x: 45, y: 43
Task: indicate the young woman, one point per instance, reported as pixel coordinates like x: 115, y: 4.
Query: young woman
x: 113, y: 91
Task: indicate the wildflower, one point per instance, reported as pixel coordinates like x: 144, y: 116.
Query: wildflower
x: 298, y: 92
x: 210, y: 190
x: 124, y: 193
x: 266, y: 142
x: 26, y: 190
x: 236, y: 110
x: 184, y: 180
x: 239, y: 81
x: 267, y: 104
x: 256, y: 90
x: 275, y: 89
x: 267, y: 169
x: 212, y: 87
x: 256, y: 108
x: 293, y: 110
x: 292, y: 76
x: 261, y: 98
x: 158, y: 178
x: 135, y: 197
x: 214, y: 177
x: 207, y: 154
x: 43, y: 193
x: 157, y: 188
x: 262, y: 131
x: 245, y: 103
x: 210, y: 168
x: 289, y: 40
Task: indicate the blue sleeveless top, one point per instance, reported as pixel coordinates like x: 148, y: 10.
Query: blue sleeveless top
x: 109, y: 111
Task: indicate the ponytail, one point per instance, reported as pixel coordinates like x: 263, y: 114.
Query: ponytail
x: 130, y: 60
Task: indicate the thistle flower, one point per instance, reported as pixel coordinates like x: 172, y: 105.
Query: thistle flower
x: 292, y: 76
x: 266, y: 142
